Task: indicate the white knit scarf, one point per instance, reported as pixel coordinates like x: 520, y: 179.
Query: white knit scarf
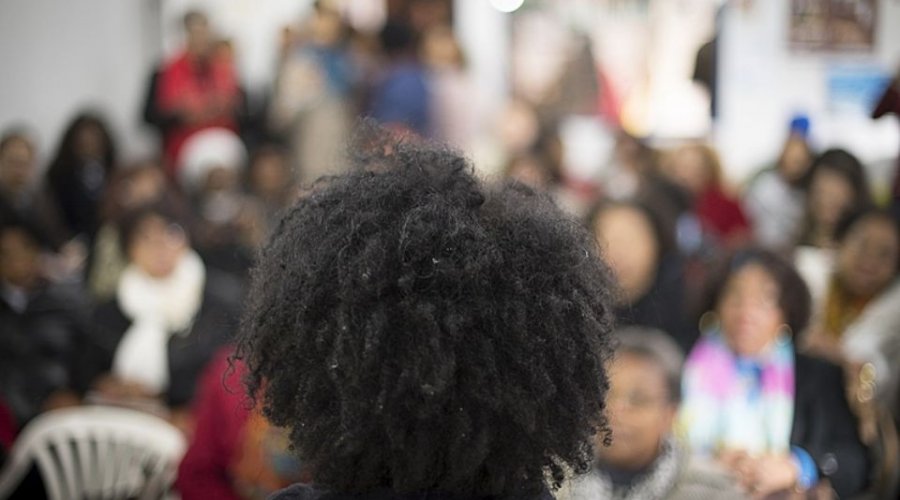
x: 157, y: 308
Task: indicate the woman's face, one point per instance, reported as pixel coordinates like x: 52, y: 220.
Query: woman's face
x: 628, y: 242
x: 795, y: 159
x: 640, y: 413
x: 867, y: 258
x: 90, y: 142
x: 830, y: 196
x: 749, y: 310
x: 157, y: 246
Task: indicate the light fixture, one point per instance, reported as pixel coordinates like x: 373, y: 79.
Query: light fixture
x: 507, y: 5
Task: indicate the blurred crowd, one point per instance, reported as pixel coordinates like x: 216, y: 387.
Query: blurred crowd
x: 760, y: 322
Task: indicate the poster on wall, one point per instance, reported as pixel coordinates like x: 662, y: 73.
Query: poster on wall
x: 833, y: 25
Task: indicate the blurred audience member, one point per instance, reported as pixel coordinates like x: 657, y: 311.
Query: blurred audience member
x: 198, y: 87
x: 129, y: 188
x: 312, y: 105
x: 837, y: 184
x: 271, y: 183
x: 776, y: 418
x: 229, y: 225
x: 401, y: 98
x: 234, y: 454
x: 774, y: 199
x: 644, y: 259
x: 631, y: 163
x: 454, y: 96
x: 858, y: 314
x: 79, y: 173
x: 41, y: 323
x: 696, y: 169
x: 645, y: 461
x: 168, y: 318
x: 20, y: 193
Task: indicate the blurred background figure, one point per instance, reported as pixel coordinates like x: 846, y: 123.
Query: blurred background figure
x: 774, y: 198
x: 229, y: 225
x: 79, y: 174
x: 136, y: 185
x: 235, y: 453
x: 169, y: 316
x: 312, y: 107
x: 645, y: 460
x: 771, y: 415
x: 198, y: 88
x: 401, y: 97
x: 647, y: 267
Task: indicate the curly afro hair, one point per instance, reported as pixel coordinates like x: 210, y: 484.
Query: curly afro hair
x: 418, y: 331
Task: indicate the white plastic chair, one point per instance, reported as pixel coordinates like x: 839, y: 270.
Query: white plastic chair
x: 96, y: 452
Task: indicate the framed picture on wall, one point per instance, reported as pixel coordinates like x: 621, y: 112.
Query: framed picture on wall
x: 833, y: 25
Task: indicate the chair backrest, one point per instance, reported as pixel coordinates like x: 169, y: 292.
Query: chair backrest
x: 96, y: 452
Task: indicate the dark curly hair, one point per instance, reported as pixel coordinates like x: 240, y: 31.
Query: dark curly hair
x: 794, y: 299
x: 417, y: 331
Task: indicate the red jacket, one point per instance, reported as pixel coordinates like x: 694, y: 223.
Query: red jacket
x: 201, y: 95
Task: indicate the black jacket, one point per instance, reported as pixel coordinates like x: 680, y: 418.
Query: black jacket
x: 303, y: 492
x: 825, y: 427
x: 37, y: 347
x: 188, y: 352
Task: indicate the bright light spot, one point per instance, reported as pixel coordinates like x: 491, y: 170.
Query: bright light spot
x: 507, y: 5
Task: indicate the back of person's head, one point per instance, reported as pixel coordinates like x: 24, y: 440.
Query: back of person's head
x: 418, y: 331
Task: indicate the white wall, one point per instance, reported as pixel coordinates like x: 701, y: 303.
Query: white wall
x: 59, y: 57
x: 762, y: 84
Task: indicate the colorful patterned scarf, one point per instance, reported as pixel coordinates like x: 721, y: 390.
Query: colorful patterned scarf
x: 734, y: 402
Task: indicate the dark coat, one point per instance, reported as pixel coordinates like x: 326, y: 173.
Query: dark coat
x: 303, y: 492
x: 37, y: 347
x: 188, y: 352
x: 825, y: 427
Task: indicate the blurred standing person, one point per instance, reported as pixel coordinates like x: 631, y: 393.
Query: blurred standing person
x: 312, y: 105
x: 454, y: 98
x: 645, y: 460
x: 198, y: 87
x: 775, y: 197
x: 401, y: 98
x: 79, y: 173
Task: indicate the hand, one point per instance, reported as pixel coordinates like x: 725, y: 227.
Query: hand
x: 761, y: 476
